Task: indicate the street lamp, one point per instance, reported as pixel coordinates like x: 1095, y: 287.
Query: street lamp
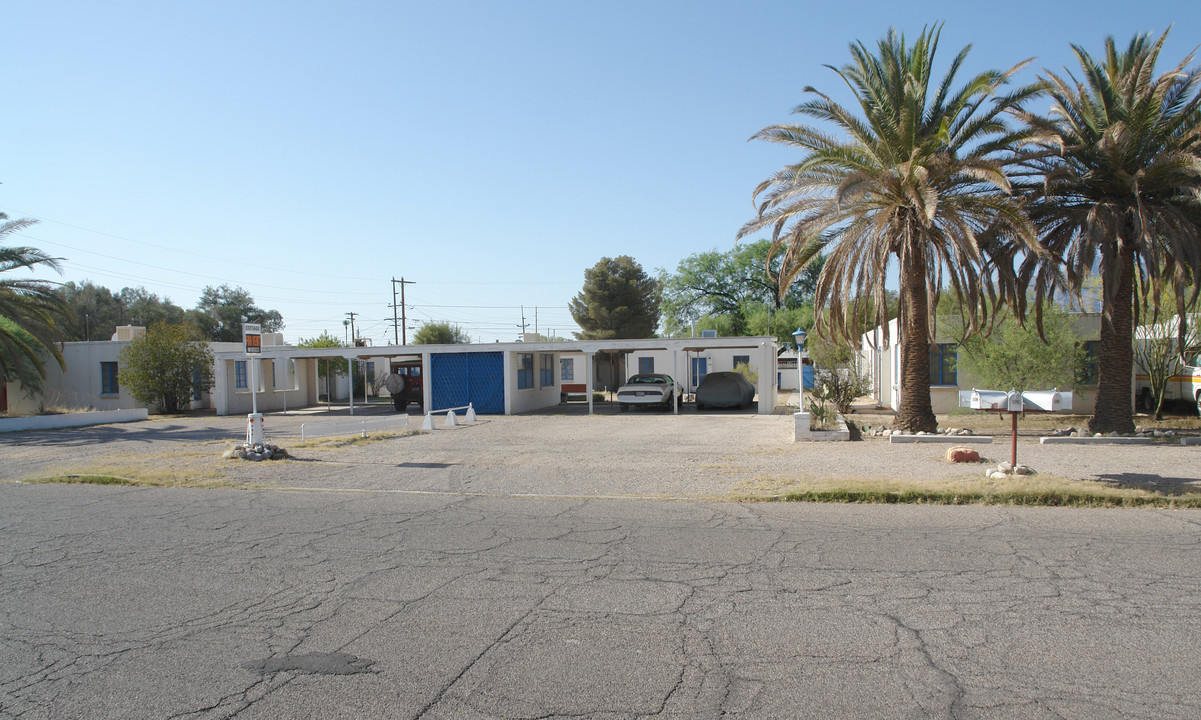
x: 798, y: 337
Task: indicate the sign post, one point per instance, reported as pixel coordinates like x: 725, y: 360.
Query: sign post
x: 252, y: 339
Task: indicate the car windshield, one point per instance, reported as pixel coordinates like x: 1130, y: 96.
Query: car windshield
x: 647, y: 379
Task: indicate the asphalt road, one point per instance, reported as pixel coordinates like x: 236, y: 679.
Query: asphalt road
x: 154, y: 603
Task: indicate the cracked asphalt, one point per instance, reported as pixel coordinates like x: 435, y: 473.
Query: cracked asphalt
x: 121, y: 602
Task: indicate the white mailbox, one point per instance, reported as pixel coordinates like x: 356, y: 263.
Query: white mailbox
x: 1048, y: 400
x: 985, y: 399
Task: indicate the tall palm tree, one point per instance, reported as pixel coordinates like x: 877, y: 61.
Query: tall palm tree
x: 916, y: 174
x: 29, y: 309
x: 1118, y: 192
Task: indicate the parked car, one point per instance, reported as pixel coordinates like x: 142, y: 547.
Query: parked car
x: 724, y: 390
x: 648, y: 389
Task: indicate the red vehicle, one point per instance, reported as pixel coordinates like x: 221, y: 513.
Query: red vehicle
x: 405, y: 385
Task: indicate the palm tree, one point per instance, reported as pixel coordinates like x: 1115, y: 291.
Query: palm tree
x: 28, y: 310
x: 919, y: 175
x: 1118, y: 192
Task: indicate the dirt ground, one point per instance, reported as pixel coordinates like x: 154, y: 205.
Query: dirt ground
x: 566, y: 452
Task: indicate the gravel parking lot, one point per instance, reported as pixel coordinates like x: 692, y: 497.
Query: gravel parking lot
x: 561, y: 452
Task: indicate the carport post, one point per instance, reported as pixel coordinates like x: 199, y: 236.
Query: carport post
x: 588, y: 372
x: 350, y: 378
x: 675, y: 374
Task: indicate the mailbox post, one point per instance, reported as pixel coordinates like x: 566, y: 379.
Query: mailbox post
x: 1015, y: 403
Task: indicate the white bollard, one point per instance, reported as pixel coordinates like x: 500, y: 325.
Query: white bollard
x: 254, y: 429
x: 451, y: 420
x: 429, y: 422
x: 470, y: 417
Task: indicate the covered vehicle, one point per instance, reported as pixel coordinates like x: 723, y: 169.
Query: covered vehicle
x: 648, y: 389
x: 405, y: 386
x: 724, y: 390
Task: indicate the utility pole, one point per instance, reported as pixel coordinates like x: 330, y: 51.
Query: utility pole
x: 404, y: 338
x: 523, y: 324
x: 352, y: 335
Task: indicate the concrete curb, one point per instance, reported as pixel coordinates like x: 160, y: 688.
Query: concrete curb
x: 48, y: 422
x: 1096, y: 441
x: 943, y: 439
x: 1190, y: 441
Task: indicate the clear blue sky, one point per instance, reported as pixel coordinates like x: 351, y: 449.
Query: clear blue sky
x: 488, y: 151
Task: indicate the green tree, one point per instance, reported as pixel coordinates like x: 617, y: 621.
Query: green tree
x: 166, y: 367
x: 29, y: 312
x: 94, y: 311
x: 1118, y: 189
x: 732, y: 283
x: 441, y: 333
x: 220, y: 312
x: 917, y: 175
x: 1023, y: 357
x: 618, y: 300
x: 144, y: 308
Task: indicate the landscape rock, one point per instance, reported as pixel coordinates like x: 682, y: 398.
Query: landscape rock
x: 962, y: 454
x: 998, y: 475
x: 256, y: 453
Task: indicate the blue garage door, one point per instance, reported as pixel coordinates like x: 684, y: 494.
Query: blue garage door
x: 457, y: 379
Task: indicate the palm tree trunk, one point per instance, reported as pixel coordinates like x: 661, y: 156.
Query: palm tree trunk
x: 914, y: 412
x: 1113, y: 412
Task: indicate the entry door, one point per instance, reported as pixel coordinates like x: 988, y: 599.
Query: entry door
x: 700, y: 366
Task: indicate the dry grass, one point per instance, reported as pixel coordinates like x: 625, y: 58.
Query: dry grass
x: 187, y: 468
x: 344, y: 441
x: 1020, y: 490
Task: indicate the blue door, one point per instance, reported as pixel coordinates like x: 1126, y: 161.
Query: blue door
x: 700, y: 366
x: 457, y: 379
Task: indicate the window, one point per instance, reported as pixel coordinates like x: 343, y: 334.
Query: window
x: 567, y: 369
x: 240, y: 375
x: 196, y: 383
x: 942, y: 364
x: 273, y: 383
x: 742, y: 360
x: 546, y: 370
x: 525, y: 371
x: 1090, y: 370
x: 108, y: 378
x: 646, y: 365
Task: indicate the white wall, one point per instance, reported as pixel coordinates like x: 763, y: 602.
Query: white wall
x: 537, y: 397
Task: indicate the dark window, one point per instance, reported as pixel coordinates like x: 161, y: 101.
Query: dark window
x: 646, y: 365
x: 1090, y: 368
x: 240, y: 382
x: 525, y: 371
x: 742, y: 360
x: 942, y: 364
x: 108, y: 379
x: 567, y: 369
x: 546, y: 370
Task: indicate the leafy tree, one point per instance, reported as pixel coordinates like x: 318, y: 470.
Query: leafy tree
x: 220, y: 312
x: 325, y: 340
x: 441, y: 333
x: 1023, y: 357
x: 29, y: 311
x: 166, y: 367
x: 917, y: 176
x: 1118, y: 189
x: 94, y: 311
x: 145, y: 308
x: 731, y: 283
x: 618, y: 300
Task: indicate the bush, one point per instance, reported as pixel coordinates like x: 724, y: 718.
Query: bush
x: 166, y: 366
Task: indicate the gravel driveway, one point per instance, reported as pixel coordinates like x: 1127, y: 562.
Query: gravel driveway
x: 565, y: 453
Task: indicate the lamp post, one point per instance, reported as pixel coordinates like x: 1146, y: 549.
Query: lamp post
x: 798, y: 337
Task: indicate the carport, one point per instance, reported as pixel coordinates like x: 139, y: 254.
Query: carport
x: 500, y: 378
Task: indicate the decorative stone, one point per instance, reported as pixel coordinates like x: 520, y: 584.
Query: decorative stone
x: 1005, y: 468
x: 997, y: 475
x: 962, y: 454
x: 1022, y: 470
